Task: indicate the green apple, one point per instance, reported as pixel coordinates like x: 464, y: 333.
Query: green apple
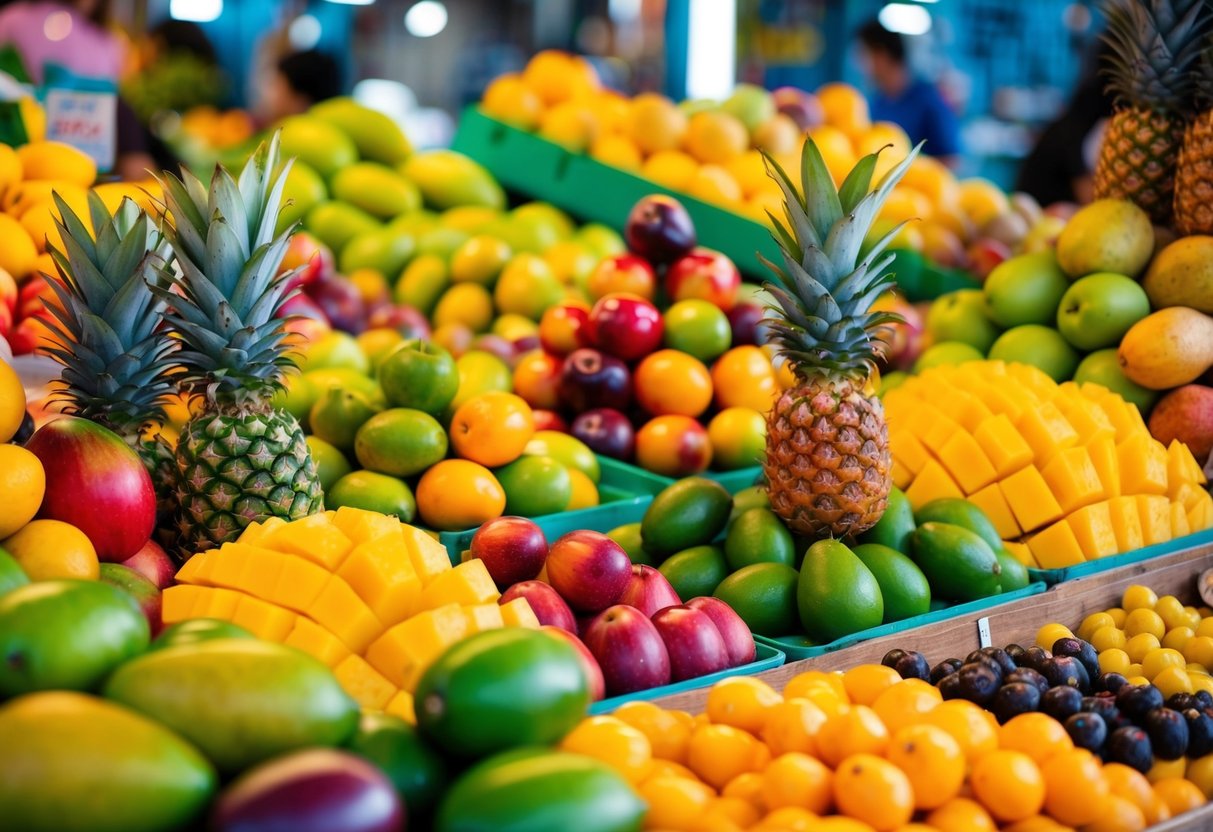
x: 1025, y: 290
x: 419, y: 375
x: 1097, y: 310
x: 1103, y: 368
x: 949, y: 352
x: 961, y: 316
x: 1039, y: 346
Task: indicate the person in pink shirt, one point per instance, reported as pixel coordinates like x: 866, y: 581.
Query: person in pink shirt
x: 71, y: 34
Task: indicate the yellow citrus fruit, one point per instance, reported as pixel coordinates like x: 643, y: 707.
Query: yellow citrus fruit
x: 56, y: 160
x: 671, y: 168
x: 747, y: 786
x: 22, y: 485
x: 905, y: 702
x: 1138, y: 597
x: 715, y: 137
x: 1130, y: 784
x: 981, y: 200
x: 728, y: 813
x: 844, y: 106
x: 668, y: 731
x: 743, y: 702
x: 18, y: 254
x: 1179, y: 795
x: 1118, y: 815
x: 1144, y: 620
x: 750, y: 172
x: 1205, y: 627
x: 792, y: 725
x: 1092, y: 623
x: 1048, y: 635
x: 932, y: 177
x: 617, y: 151
x: 971, y: 727
x: 12, y: 404
x: 961, y: 815
x: 1177, y: 637
x: 857, y: 730
x: 1075, y: 788
x: 614, y: 742
x: 1108, y: 637
x: 585, y: 493
x: 790, y: 819
x: 1114, y: 660
x: 1035, y: 734
x: 674, y: 802
x: 50, y: 549
x: 713, y: 183
x: 509, y: 99
x: 718, y: 753
x: 558, y: 76
x: 795, y: 779
x: 654, y: 123
x: 669, y: 768
x: 932, y: 760
x: 1008, y: 784
x: 1171, y: 610
x: 1199, y: 650
x: 570, y: 124
x: 799, y: 684
x: 1140, y: 646
x: 10, y: 167
x: 873, y: 791
x: 458, y: 494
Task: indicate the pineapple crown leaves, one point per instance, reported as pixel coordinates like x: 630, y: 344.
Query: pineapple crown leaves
x: 108, y: 317
x: 1156, y: 45
x: 225, y: 298
x: 821, y: 319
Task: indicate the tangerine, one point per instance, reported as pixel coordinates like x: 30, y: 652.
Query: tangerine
x: 614, y: 742
x: 874, y: 791
x: 743, y: 702
x: 973, y: 728
x: 1119, y: 815
x: 1009, y: 785
x: 654, y: 123
x: 796, y: 779
x: 674, y: 802
x: 616, y: 151
x: 718, y: 753
x: 1075, y: 788
x: 744, y: 377
x: 537, y: 379
x: 458, y: 494
x: 844, y: 107
x: 672, y: 382
x: 857, y: 730
x: 1035, y: 734
x: 792, y: 725
x: 904, y: 703
x: 492, y: 428
x: 932, y: 760
x: 509, y: 99
x: 1179, y: 795
x: 715, y: 137
x: 960, y: 814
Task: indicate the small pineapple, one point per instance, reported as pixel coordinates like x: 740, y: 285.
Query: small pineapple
x: 239, y: 460
x: 827, y: 463
x: 1156, y: 44
x: 1194, y: 175
x: 118, y: 368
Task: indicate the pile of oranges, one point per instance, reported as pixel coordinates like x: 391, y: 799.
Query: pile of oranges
x: 865, y: 750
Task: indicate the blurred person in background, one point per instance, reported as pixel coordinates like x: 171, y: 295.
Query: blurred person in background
x: 912, y: 103
x: 298, y: 80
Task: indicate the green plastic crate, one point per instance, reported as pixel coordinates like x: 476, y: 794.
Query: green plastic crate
x: 1094, y: 567
x: 766, y: 658
x: 734, y: 481
x: 799, y: 647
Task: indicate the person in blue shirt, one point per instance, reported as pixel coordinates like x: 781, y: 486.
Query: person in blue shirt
x: 914, y: 104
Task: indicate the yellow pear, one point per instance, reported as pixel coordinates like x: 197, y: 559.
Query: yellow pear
x: 1171, y: 347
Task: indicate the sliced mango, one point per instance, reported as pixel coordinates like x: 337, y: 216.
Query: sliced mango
x: 966, y: 462
x: 1003, y: 445
x: 1072, y: 478
x: 1056, y: 547
x: 994, y: 505
x: 364, y: 684
x: 1126, y: 523
x: 380, y: 571
x: 932, y: 483
x: 1030, y: 499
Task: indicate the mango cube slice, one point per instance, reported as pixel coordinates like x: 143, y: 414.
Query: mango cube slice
x: 360, y: 525
x: 299, y: 584
x: 518, y: 613
x: 177, y: 603
x: 261, y: 572
x: 1179, y: 521
x: 1200, y: 513
x: 939, y: 432
x: 429, y: 557
x: 1030, y: 499
x: 994, y: 505
x: 999, y: 400
x: 968, y: 410
x: 403, y: 652
x: 340, y: 611
x: 1125, y: 417
x: 1104, y: 457
x: 264, y: 620
x: 483, y: 617
x: 1155, y: 513
x: 230, y: 565
x: 1126, y: 523
x: 1022, y: 552
x: 316, y: 641
x: 965, y: 461
x: 932, y: 483
x: 1143, y: 465
x: 467, y: 583
x: 254, y: 533
x: 401, y: 705
x: 1092, y: 527
x: 1182, y: 467
x: 380, y: 571
x: 1056, y: 547
x: 902, y: 476
x: 313, y: 537
x: 1046, y: 431
x: 191, y: 569
x: 1072, y: 478
x: 1087, y: 418
x: 218, y: 603
x: 1002, y: 445
x: 1033, y: 379
x: 918, y: 418
x: 364, y: 684
x: 908, y: 450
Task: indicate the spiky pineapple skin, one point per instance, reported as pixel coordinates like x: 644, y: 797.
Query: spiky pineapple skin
x: 828, y: 464
x: 234, y: 469
x: 1137, y: 161
x: 1194, y: 178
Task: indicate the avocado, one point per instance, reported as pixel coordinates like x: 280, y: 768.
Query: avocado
x: 961, y: 513
x: 894, y: 527
x: 691, y: 512
x: 959, y: 564
x: 837, y: 594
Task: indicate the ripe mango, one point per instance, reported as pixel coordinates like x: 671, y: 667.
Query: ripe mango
x: 336, y: 223
x: 376, y: 136
x: 303, y: 191
x: 376, y: 189
x: 320, y: 145
x: 447, y: 178
x: 1173, y: 346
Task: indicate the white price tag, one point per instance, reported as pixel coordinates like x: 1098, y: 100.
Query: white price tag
x: 87, y: 121
x: 984, y: 639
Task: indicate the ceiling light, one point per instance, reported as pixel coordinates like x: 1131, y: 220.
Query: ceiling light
x: 304, y: 32
x: 195, y: 11
x: 905, y: 19
x: 425, y: 19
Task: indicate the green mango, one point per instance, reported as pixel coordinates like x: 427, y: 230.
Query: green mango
x: 905, y: 590
x: 418, y: 772
x: 376, y: 136
x: 894, y: 527
x: 691, y: 512
x: 958, y: 512
x: 12, y: 575
x: 448, y: 178
x: 1014, y: 574
x: 196, y: 630
x: 837, y: 595
x: 960, y: 565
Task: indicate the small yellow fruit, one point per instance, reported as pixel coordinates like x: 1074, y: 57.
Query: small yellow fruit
x: 51, y: 549
x: 22, y: 484
x: 56, y: 160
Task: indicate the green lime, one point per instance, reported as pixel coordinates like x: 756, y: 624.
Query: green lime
x: 764, y: 595
x: 535, y: 485
x: 418, y: 772
x: 373, y: 492
x: 400, y: 442
x: 698, y: 328
x: 695, y: 571
x: 331, y: 464
x: 628, y: 538
x: 420, y: 375
x: 747, y: 498
x: 338, y: 414
x: 421, y: 283
x: 758, y: 536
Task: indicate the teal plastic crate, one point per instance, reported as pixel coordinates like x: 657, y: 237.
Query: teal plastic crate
x: 734, y: 481
x: 620, y: 486
x: 799, y: 647
x: 766, y: 657
x: 1094, y: 567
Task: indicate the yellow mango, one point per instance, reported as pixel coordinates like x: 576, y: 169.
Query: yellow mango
x: 1104, y: 457
x: 1072, y: 478
x: 482, y: 617
x: 299, y: 584
x: 1200, y: 513
x: 902, y: 476
x: 401, y: 705
x: 380, y: 571
x: 1143, y: 465
x: 518, y: 613
x: 1030, y: 499
x: 1033, y: 379
x: 1182, y: 467
x: 403, y: 652
x: 429, y: 557
x: 939, y: 432
x: 264, y: 620
x: 918, y: 418
x: 194, y: 569
x: 360, y: 525
x: 219, y: 603
x: 230, y: 565
x: 340, y: 611
x: 1022, y: 552
x: 1126, y: 523
x: 467, y: 583
x: 1046, y: 431
x: 999, y: 400
x: 313, y: 537
x: 1003, y: 445
x: 908, y: 450
x: 1056, y: 547
x: 316, y: 641
x: 1087, y: 418
x: 254, y: 533
x: 1155, y: 514
x: 969, y: 411
x: 1188, y: 494
x: 1092, y: 527
x: 994, y: 506
x: 1179, y: 521
x: 1125, y: 417
x: 177, y: 603
x: 932, y: 483
x: 965, y: 461
x: 262, y: 573
x: 364, y: 684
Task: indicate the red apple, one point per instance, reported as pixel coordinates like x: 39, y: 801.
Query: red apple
x: 342, y: 303
x: 704, y: 274
x: 564, y: 328
x: 606, y: 431
x: 659, y: 229
x: 513, y: 549
x: 140, y: 588
x: 626, y: 326
x: 592, y: 671
x: 310, y: 257
x: 97, y: 483
x: 153, y: 563
x: 549, y: 420
x: 984, y: 255
x: 649, y: 591
x: 591, y: 379
x: 546, y: 603
x: 589, y: 570
x: 404, y: 319
x: 695, y: 646
x: 622, y: 273
x: 629, y: 650
x: 738, y: 640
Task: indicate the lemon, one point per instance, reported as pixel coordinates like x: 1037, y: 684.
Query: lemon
x: 22, y: 484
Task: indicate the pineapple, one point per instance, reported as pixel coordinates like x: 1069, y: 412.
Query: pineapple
x: 827, y: 462
x: 1194, y: 175
x: 239, y: 460
x: 117, y: 364
x: 1156, y: 44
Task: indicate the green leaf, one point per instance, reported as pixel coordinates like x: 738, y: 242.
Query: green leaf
x: 858, y: 182
x: 820, y: 197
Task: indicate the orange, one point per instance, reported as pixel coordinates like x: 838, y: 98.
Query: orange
x: 12, y: 411
x: 674, y: 802
x: 617, y: 151
x: 614, y: 742
x: 668, y: 731
x: 743, y: 702
x: 741, y: 814
x: 874, y: 791
x: 50, y: 549
x: 844, y: 106
x: 509, y: 99
x: 865, y: 683
x: 1200, y: 772
x: 536, y: 378
x: 932, y: 760
x: 558, y: 76
x: 457, y: 494
x: 715, y: 137
x: 857, y: 730
x: 492, y: 428
x: 778, y: 135
x: 799, y: 684
x: 747, y: 786
x: 1179, y: 795
x: 718, y: 753
x: 22, y: 483
x: 789, y: 819
x: 672, y: 169
x: 1035, y: 734
x: 1075, y: 788
x: 1036, y: 823
x: 1130, y: 784
x: 791, y: 725
x: 713, y: 183
x: 744, y: 377
x: 673, y: 446
x: 655, y: 123
x: 1119, y: 815
x: 668, y: 768
x: 611, y: 109
x: 797, y: 780
x: 570, y: 124
x: 961, y: 815
x: 672, y: 382
x: 904, y: 703
x: 973, y: 729
x: 750, y: 172
x: 1008, y: 784
x: 10, y: 167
